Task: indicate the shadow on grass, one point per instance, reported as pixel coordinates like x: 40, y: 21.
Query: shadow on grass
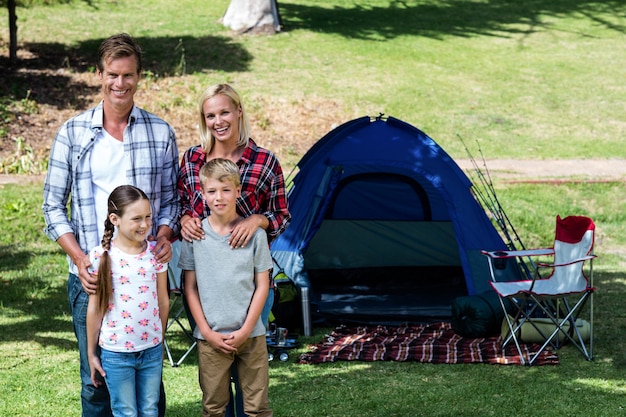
x: 439, y: 19
x: 187, y: 409
x: 44, y: 73
x: 33, y: 287
x: 18, y: 260
x: 43, y: 77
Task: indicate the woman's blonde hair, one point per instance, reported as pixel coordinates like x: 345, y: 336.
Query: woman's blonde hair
x: 206, y: 139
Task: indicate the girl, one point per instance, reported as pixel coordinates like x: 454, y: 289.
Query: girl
x: 127, y: 316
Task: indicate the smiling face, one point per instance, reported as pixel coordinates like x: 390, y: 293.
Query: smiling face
x: 119, y: 78
x: 221, y: 196
x: 133, y: 226
x: 221, y: 116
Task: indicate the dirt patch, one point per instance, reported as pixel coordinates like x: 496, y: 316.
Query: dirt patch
x: 42, y: 99
x: 43, y: 96
x: 562, y: 170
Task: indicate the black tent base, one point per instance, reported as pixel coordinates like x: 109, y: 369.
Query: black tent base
x: 388, y: 295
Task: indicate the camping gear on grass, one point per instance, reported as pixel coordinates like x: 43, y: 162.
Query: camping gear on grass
x: 427, y: 343
x: 384, y: 227
x: 279, y: 342
x: 286, y: 308
x: 536, y: 329
x: 562, y: 297
x: 477, y: 315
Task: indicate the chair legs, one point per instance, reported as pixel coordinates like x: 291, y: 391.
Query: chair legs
x: 563, y: 320
x: 177, y: 310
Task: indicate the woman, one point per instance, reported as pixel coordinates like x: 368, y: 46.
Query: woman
x: 225, y: 133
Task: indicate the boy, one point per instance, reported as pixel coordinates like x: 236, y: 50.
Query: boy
x: 226, y: 290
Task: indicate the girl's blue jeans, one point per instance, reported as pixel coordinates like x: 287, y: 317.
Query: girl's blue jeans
x: 134, y: 379
x: 95, y: 401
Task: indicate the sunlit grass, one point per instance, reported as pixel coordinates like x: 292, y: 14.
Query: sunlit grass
x: 526, y: 79
x: 39, y: 362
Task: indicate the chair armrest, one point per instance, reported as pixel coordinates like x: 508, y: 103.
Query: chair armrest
x: 574, y: 261
x: 500, y: 254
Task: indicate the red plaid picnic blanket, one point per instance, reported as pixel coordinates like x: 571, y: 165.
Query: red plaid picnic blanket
x: 432, y: 343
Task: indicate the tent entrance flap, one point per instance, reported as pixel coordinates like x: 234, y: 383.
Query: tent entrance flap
x: 376, y: 243
x: 398, y: 269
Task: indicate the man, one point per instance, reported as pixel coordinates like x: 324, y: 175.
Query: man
x: 112, y: 144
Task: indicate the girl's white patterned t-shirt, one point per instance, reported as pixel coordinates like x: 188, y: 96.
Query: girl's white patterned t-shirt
x: 132, y: 322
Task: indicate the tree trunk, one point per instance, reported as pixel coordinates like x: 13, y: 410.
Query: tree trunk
x: 252, y: 16
x: 12, y: 31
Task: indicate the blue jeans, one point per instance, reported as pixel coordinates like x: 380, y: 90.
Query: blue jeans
x: 235, y: 406
x: 95, y: 400
x: 133, y: 379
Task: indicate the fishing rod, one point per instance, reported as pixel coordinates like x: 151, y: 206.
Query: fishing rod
x: 506, y: 222
x: 489, y: 200
x: 490, y: 204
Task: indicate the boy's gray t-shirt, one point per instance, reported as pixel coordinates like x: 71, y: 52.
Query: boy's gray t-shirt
x: 225, y: 277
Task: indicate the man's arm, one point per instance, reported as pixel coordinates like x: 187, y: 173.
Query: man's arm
x: 56, y: 194
x: 69, y: 244
x: 57, y: 187
x: 169, y: 212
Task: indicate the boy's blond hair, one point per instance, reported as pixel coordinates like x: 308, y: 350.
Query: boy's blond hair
x: 220, y: 169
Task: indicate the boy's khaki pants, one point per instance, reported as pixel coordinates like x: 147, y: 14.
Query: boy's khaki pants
x: 252, y: 368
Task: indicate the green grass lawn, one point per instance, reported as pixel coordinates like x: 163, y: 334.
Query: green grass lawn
x: 532, y: 79
x: 39, y: 361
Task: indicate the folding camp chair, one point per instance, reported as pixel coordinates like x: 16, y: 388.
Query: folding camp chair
x: 177, y: 307
x: 559, y: 298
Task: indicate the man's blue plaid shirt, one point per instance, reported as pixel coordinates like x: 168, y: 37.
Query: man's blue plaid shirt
x: 150, y: 144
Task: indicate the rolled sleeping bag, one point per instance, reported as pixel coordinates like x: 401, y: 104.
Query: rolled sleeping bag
x: 478, y: 315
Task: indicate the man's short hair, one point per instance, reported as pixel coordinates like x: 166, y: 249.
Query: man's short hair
x: 119, y: 46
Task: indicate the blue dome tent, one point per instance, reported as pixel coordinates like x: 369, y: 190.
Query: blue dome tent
x: 385, y: 227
